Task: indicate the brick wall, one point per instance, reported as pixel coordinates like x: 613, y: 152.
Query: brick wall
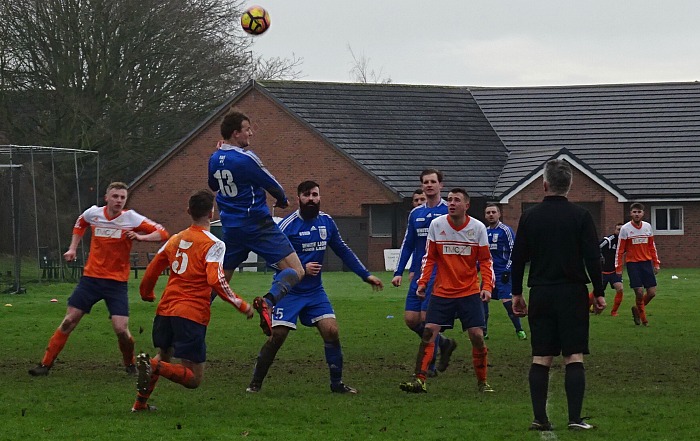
x: 674, y: 251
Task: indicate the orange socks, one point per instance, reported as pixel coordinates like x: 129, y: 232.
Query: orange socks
x: 127, y: 349
x: 142, y: 398
x: 426, y: 351
x: 641, y: 307
x: 479, y: 359
x: 56, y: 344
x: 617, y: 302
x: 174, y: 372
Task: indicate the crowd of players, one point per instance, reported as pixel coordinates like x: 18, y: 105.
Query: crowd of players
x: 458, y: 265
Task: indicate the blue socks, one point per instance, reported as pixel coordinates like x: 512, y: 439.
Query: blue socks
x: 281, y: 284
x: 334, y: 358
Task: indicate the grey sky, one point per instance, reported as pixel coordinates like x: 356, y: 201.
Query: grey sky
x: 489, y: 43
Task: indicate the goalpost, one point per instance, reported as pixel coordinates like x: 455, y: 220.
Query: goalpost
x: 42, y: 166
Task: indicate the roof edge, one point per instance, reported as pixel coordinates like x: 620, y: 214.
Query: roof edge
x: 572, y: 159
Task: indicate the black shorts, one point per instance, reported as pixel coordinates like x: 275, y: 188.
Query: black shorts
x: 558, y: 317
x: 187, y: 338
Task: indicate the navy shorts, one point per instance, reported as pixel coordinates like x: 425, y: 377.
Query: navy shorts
x: 187, y: 338
x: 502, y: 290
x: 558, y: 317
x: 309, y: 308
x: 611, y: 279
x: 91, y: 290
x: 263, y: 238
x: 415, y: 303
x: 641, y: 274
x: 443, y: 311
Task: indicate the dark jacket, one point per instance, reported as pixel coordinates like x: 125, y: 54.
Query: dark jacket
x: 560, y: 241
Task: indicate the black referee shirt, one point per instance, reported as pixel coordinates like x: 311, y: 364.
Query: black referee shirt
x: 559, y: 240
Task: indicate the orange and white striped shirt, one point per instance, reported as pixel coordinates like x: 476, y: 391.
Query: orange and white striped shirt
x: 636, y: 243
x: 195, y: 257
x: 109, y: 247
x: 456, y: 249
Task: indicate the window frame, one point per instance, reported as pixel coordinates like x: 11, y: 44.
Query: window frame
x: 667, y: 232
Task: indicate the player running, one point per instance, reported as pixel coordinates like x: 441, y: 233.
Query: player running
x: 106, y: 272
x: 195, y: 258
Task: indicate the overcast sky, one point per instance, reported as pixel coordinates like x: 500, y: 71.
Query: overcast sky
x: 489, y: 42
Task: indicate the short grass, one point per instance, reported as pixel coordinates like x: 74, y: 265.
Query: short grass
x: 642, y: 382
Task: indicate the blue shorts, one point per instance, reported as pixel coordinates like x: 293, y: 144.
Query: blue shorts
x: 308, y: 307
x: 263, y: 238
x: 502, y: 290
x: 443, y: 311
x: 187, y: 338
x: 611, y: 279
x: 91, y: 290
x: 641, y: 274
x: 415, y: 303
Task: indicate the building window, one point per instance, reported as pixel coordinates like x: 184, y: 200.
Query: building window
x: 380, y: 220
x: 667, y: 220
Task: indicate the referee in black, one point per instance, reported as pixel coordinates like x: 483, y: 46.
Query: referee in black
x: 559, y: 240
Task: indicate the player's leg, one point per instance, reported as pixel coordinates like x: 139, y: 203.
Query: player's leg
x: 120, y: 324
x: 87, y: 292
x: 270, y: 243
x: 58, y: 341
x: 291, y: 272
x: 471, y: 313
x: 616, y: 280
x: 284, y: 318
x: 646, y: 298
x: 273, y: 245
x: 116, y: 298
x: 573, y: 336
x: 328, y: 329
x: 635, y: 274
x: 443, y: 345
x: 544, y: 340
x: 649, y: 284
x: 187, y: 338
x: 440, y: 314
x: 266, y: 356
x: 147, y: 379
x: 517, y: 324
x: 504, y: 294
x: 163, y: 335
x: 425, y: 355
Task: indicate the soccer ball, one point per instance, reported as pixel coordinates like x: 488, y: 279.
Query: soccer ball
x: 255, y: 20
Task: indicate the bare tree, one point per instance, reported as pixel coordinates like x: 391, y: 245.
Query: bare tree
x: 362, y: 73
x: 125, y: 77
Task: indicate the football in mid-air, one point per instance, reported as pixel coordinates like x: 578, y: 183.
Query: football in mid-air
x: 255, y: 20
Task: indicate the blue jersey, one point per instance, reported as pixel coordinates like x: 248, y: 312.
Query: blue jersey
x: 310, y: 238
x: 240, y: 180
x: 417, y: 235
x: 501, y: 239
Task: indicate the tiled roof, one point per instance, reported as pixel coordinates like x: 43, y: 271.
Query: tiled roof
x: 642, y: 138
x: 396, y: 131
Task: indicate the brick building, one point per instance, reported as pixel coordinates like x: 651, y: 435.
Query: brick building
x: 366, y: 144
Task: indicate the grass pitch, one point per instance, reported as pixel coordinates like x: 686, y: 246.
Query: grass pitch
x: 641, y: 382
